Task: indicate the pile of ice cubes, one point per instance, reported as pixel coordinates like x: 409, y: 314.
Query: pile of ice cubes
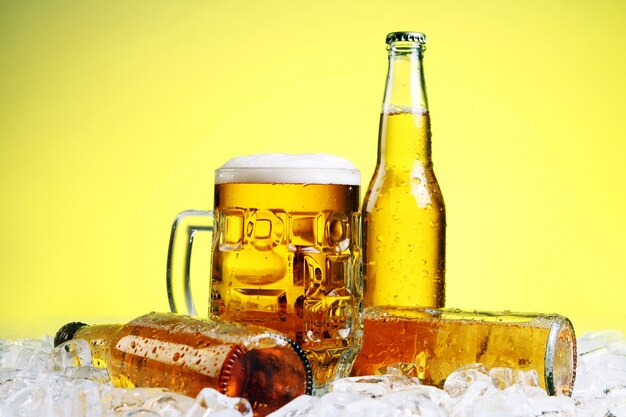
x: 39, y: 381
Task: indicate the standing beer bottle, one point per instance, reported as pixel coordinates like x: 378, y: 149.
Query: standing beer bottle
x: 403, y: 210
x: 185, y: 354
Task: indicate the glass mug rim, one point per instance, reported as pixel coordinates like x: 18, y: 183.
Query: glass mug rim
x: 287, y: 175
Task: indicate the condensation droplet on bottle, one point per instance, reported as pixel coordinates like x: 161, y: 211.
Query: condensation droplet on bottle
x: 429, y: 206
x: 176, y: 356
x: 416, y: 180
x: 433, y: 224
x: 410, y: 247
x: 425, y: 272
x: 380, y: 239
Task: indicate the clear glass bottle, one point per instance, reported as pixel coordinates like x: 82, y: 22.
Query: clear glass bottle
x: 403, y: 211
x: 185, y: 354
x: 432, y: 343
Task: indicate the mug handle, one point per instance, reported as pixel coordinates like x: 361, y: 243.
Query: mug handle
x: 184, y: 228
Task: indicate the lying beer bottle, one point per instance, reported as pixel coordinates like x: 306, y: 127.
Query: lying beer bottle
x: 403, y: 210
x: 431, y: 344
x: 185, y: 354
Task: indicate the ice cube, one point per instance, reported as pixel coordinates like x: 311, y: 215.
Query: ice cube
x: 560, y: 406
x: 499, y: 403
x: 436, y: 395
x: 606, y: 339
x: 527, y: 378
x: 31, y: 400
x: 413, y: 403
x: 587, y: 385
x: 75, y: 352
x: 209, y: 401
x: 399, y: 368
x: 51, y: 395
x: 529, y: 391
x: 168, y: 404
x: 298, y: 407
x: 31, y: 358
x: 141, y: 413
x: 340, y: 399
x: 123, y: 400
x: 100, y: 375
x: 23, y: 352
x: 601, y: 372
x: 370, y: 407
x: 616, y: 400
x: 7, y: 374
x: 468, y: 394
x: 459, y: 381
x: 501, y: 377
x: 375, y: 385
x: 506, y: 377
x: 224, y: 413
x: 618, y: 349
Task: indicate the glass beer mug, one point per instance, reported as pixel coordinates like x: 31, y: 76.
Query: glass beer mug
x: 285, y: 254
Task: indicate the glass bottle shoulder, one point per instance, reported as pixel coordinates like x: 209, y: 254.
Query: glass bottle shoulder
x: 413, y: 186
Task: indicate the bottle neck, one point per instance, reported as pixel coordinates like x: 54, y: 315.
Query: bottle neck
x: 404, y: 135
x: 99, y: 337
x: 405, y: 87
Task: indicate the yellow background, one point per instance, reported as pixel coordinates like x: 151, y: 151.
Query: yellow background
x: 114, y: 115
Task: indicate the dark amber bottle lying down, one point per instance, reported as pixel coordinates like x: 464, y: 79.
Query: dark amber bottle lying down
x: 186, y: 354
x: 433, y: 343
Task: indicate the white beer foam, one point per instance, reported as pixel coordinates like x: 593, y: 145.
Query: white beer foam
x: 319, y: 168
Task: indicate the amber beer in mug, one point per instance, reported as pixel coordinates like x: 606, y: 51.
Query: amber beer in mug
x: 285, y: 254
